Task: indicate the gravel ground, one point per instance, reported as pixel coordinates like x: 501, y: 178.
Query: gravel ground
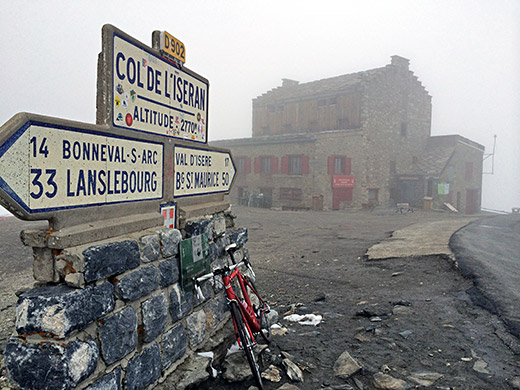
x: 397, y: 317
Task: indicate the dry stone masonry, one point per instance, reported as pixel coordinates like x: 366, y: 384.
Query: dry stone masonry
x: 119, y: 318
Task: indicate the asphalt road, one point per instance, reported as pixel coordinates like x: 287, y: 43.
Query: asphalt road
x: 488, y: 250
x: 14, y: 256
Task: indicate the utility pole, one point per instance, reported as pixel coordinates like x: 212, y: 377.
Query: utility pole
x: 492, y: 155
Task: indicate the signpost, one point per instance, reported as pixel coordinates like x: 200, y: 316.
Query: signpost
x: 137, y: 162
x: 172, y: 47
x: 46, y: 167
x: 200, y: 171
x: 149, y: 93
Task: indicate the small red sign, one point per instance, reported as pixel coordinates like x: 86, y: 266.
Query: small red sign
x: 342, y: 181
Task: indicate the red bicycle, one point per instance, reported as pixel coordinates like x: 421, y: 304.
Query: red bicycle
x: 248, y: 309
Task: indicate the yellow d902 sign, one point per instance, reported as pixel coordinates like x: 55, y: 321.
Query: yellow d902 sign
x: 172, y: 46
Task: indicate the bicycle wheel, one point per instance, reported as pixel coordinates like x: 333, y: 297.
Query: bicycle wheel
x: 261, y: 310
x: 247, y: 343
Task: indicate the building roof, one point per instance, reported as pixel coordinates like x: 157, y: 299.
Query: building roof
x: 439, y: 151
x: 434, y: 160
x: 294, y: 91
x: 266, y: 140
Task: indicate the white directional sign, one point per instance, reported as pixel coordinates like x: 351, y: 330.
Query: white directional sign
x: 45, y: 167
x: 153, y: 95
x: 201, y: 171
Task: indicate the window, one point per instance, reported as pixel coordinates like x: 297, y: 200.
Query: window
x: 322, y: 102
x: 393, y: 168
x: 295, y: 165
x: 291, y: 193
x: 373, y: 195
x: 403, y: 129
x: 469, y: 171
x: 265, y: 165
x: 339, y: 165
x: 313, y: 125
x: 333, y: 101
x: 343, y: 123
x: 243, y: 165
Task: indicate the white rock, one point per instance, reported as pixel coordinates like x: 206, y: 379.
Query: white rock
x: 387, y: 382
x: 293, y: 371
x: 346, y: 366
x: 425, y: 379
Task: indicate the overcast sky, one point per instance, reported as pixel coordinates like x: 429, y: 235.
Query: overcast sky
x: 466, y: 54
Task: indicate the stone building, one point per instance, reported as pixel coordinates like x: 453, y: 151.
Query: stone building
x: 355, y: 140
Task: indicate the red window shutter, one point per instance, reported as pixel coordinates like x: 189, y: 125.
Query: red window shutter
x: 348, y: 166
x: 274, y: 164
x: 285, y: 164
x: 305, y: 164
x: 257, y: 164
x: 248, y: 165
x: 330, y: 169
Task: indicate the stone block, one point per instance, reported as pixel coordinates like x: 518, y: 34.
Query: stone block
x: 50, y: 366
x: 217, y: 283
x: 43, y: 265
x: 118, y: 335
x: 137, y: 284
x: 110, y: 259
x: 221, y: 244
x: 150, y: 248
x: 213, y: 252
x: 169, y: 272
x: 181, y: 303
x: 170, y: 239
x: 59, y: 310
x: 143, y: 369
x: 111, y: 381
x: 196, y: 324
x: 173, y: 345
x: 215, y: 311
x: 196, y: 228
x: 238, y: 237
x: 155, y: 316
x: 207, y: 292
x: 219, y: 226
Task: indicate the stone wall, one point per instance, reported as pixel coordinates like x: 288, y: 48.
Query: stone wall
x: 396, y: 119
x: 122, y: 320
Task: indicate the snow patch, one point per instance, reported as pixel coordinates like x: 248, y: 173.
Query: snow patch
x: 305, y: 319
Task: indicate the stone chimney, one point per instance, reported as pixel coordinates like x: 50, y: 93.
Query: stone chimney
x: 400, y: 62
x: 289, y: 83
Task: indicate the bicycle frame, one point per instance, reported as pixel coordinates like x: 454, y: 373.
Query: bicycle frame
x: 246, y: 307
x: 248, y: 320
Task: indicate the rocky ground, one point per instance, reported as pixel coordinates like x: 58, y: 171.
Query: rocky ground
x: 387, y: 324
x: 397, y: 323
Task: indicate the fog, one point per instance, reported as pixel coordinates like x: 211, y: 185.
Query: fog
x: 466, y: 54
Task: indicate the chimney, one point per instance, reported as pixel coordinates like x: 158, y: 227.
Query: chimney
x: 289, y: 83
x: 400, y: 62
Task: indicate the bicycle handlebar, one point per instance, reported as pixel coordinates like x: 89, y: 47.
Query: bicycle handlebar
x: 220, y: 271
